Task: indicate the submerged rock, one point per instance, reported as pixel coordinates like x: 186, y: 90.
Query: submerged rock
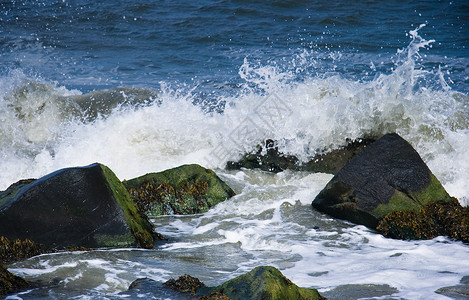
x: 10, y: 283
x: 75, y: 207
x: 387, y: 176
x: 268, y: 158
x: 460, y: 291
x: 187, y: 189
x: 265, y: 283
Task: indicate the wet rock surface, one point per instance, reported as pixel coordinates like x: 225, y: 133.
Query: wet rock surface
x: 459, y: 292
x: 10, y: 283
x: 260, y: 283
x: 268, y: 158
x: 75, y: 207
x: 388, y: 175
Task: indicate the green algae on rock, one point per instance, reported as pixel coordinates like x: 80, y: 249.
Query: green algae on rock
x: 265, y: 283
x: 187, y: 189
x: 76, y: 207
x: 261, y: 283
x: 388, y: 175
x: 431, y: 220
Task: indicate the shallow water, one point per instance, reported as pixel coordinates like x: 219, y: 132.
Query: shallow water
x: 269, y: 222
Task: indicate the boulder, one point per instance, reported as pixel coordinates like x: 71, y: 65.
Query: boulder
x: 260, y: 283
x: 10, y: 283
x: 188, y: 189
x: 268, y: 158
x: 265, y: 283
x: 387, y: 176
x: 75, y: 207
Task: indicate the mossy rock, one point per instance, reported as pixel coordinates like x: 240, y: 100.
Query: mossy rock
x: 10, y: 283
x: 75, y: 207
x: 431, y: 220
x: 388, y: 175
x: 187, y: 189
x: 259, y: 284
x: 265, y: 283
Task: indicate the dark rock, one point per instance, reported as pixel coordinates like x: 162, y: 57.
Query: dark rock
x: 75, y: 207
x: 215, y: 296
x: 10, y: 283
x: 144, y: 288
x: 431, y: 220
x: 386, y: 176
x: 268, y: 158
x: 187, y: 189
x: 361, y: 291
x: 185, y: 284
x: 261, y: 283
x: 265, y: 283
x: 460, y: 291
x: 10, y: 193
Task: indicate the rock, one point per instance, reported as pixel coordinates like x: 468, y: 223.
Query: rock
x: 460, y: 291
x: 11, y: 250
x: 265, y: 283
x: 388, y: 175
x: 10, y: 283
x: 144, y: 288
x: 185, y: 284
x: 75, y: 207
x: 187, y: 189
x: 431, y: 220
x: 261, y: 283
x: 268, y: 158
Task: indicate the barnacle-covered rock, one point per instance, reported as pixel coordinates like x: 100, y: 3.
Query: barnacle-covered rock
x: 187, y: 189
x: 431, y: 220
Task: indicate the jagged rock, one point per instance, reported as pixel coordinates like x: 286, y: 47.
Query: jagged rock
x: 75, y: 207
x: 386, y: 176
x: 10, y: 283
x: 268, y: 158
x: 265, y: 283
x: 187, y: 189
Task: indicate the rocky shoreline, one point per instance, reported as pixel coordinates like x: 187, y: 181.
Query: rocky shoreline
x: 382, y: 184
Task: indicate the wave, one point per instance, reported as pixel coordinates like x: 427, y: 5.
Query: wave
x: 137, y: 130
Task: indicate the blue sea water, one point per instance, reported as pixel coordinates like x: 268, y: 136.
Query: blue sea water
x: 93, y: 45
x: 147, y: 85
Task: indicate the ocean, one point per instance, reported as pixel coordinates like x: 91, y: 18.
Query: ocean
x: 143, y: 86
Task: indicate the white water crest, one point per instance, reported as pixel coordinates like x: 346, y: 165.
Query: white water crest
x: 46, y: 127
